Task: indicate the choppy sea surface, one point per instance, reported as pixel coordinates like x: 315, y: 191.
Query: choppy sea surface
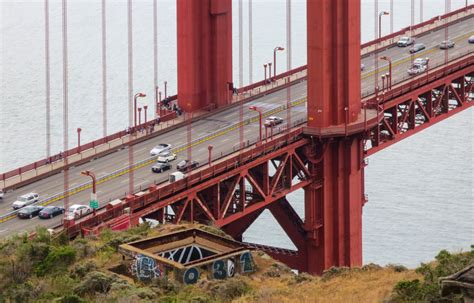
x: 420, y: 190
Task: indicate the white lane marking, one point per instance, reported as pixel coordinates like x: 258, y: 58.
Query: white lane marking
x: 3, y: 230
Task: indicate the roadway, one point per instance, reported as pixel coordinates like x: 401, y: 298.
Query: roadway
x: 224, y: 142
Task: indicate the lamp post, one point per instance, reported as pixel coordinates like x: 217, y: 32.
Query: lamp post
x: 270, y: 71
x: 138, y: 95
x: 265, y: 68
x: 209, y: 148
x: 94, y: 202
x: 380, y: 21
x: 157, y: 100
x: 166, y: 89
x: 383, y: 82
x: 79, y: 138
x: 278, y: 48
x: 259, y: 119
x: 139, y: 116
x: 145, y: 108
x: 389, y: 84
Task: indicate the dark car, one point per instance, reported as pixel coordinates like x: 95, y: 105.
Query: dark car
x: 471, y: 39
x: 186, y: 165
x: 160, y: 167
x: 417, y: 47
x: 50, y: 211
x: 29, y: 212
x: 446, y: 44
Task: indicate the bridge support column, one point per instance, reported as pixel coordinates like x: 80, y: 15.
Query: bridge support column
x: 334, y: 199
x: 204, y: 40
x: 333, y: 205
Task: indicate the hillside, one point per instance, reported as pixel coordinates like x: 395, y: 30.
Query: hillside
x: 45, y: 269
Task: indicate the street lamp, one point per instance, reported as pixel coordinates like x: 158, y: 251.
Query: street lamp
x: 157, y: 100
x: 139, y: 116
x: 265, y: 68
x: 383, y: 82
x: 380, y: 21
x: 259, y: 118
x: 389, y: 84
x: 79, y: 138
x: 93, y: 203
x: 166, y: 89
x: 209, y: 148
x: 145, y: 107
x: 138, y: 95
x: 278, y: 48
x: 270, y: 71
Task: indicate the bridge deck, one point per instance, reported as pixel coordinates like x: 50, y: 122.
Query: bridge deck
x: 220, y: 130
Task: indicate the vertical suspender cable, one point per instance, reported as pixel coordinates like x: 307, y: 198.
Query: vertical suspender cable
x: 241, y: 71
x: 412, y: 23
x: 376, y: 52
x: 288, y: 62
x: 447, y: 7
x: 130, y: 96
x: 65, y: 105
x: 48, y: 78
x: 155, y: 55
x: 391, y: 16
x: 421, y: 11
x: 250, y: 44
x: 104, y: 70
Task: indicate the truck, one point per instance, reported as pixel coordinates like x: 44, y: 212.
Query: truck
x: 173, y: 177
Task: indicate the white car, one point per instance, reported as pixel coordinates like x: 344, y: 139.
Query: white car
x: 166, y: 156
x: 417, y: 69
x: 423, y: 61
x: 77, y: 211
x: 25, y: 200
x: 159, y: 149
x: 405, y: 41
x: 273, y: 120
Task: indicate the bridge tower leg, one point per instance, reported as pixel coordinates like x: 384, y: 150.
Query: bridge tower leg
x: 204, y: 40
x: 333, y: 202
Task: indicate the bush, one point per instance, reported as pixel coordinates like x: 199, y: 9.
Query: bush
x: 81, y: 269
x: 71, y: 299
x: 230, y: 289
x: 429, y: 290
x: 94, y: 282
x: 57, y: 260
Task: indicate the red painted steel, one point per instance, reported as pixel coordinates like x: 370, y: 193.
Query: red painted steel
x: 204, y: 53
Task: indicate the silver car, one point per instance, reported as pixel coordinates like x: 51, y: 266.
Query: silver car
x: 25, y: 200
x: 405, y: 41
x: 159, y: 149
x: 417, y: 69
x: 446, y: 44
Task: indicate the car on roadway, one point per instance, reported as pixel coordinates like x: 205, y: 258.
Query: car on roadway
x: 421, y: 60
x: 166, y: 156
x: 161, y: 167
x: 159, y: 149
x: 273, y: 120
x: 187, y: 165
x: 77, y: 211
x: 405, y: 41
x: 417, y: 47
x: 29, y: 211
x: 50, y: 211
x: 446, y: 44
x: 471, y: 39
x: 362, y: 66
x: 417, y: 69
x: 25, y: 200
x: 1, y: 194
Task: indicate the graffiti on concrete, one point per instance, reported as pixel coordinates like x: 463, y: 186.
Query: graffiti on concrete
x: 145, y: 268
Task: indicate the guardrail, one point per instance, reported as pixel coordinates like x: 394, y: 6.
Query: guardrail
x: 150, y: 160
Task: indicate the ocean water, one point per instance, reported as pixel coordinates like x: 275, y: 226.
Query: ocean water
x: 420, y: 190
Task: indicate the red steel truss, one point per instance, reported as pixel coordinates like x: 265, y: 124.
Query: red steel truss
x: 412, y: 107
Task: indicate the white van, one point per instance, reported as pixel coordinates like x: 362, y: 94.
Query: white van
x: 173, y: 177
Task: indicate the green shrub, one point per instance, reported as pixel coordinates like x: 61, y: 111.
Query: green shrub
x: 94, y: 282
x: 429, y: 289
x: 71, y: 299
x: 57, y: 260
x: 229, y: 289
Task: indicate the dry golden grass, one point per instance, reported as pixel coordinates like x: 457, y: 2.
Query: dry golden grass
x: 354, y: 286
